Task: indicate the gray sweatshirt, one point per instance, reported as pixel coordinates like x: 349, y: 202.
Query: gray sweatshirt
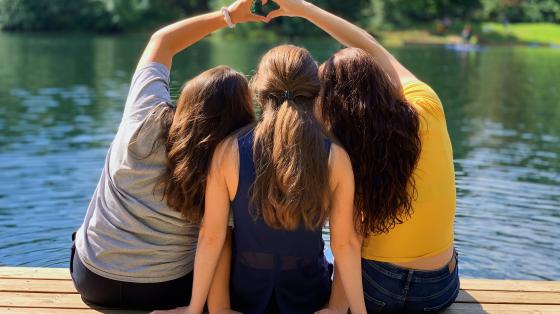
x: 129, y: 233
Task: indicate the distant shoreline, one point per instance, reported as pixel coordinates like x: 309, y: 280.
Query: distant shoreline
x: 491, y: 34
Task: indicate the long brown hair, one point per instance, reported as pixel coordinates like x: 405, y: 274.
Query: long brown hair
x: 211, y: 106
x: 291, y: 161
x: 366, y: 112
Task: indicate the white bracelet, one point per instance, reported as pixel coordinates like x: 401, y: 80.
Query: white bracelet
x: 227, y: 17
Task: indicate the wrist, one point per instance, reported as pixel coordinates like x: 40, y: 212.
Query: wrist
x: 227, y: 16
x: 196, y: 307
x: 338, y: 309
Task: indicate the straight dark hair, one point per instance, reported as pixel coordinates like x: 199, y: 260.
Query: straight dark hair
x: 366, y: 112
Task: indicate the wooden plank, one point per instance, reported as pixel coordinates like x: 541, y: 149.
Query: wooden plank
x: 34, y: 273
x: 37, y: 285
x: 13, y: 310
x: 50, y: 290
x: 46, y: 300
x: 508, y: 297
x: 461, y: 308
x: 23, y: 302
x: 510, y: 285
x: 473, y: 308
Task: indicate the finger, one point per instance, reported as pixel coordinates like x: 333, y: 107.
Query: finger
x: 257, y: 18
x: 274, y: 14
x: 264, y: 2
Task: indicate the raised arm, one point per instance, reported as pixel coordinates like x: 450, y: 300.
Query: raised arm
x: 172, y: 39
x: 347, y: 34
x: 346, y: 244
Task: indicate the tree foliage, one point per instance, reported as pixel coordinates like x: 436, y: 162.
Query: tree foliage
x: 124, y: 15
x: 406, y: 11
x: 522, y: 10
x: 93, y: 15
x: 47, y: 15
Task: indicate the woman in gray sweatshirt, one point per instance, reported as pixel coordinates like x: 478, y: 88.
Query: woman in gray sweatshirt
x: 136, y: 246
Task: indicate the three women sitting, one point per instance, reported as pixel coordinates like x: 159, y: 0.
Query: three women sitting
x: 359, y: 142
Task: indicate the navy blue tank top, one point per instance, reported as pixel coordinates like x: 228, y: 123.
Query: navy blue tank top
x: 269, y: 265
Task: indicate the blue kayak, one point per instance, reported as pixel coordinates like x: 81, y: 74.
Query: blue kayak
x: 461, y: 47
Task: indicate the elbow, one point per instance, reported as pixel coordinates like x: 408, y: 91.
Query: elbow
x: 159, y: 41
x: 157, y: 37
x: 211, y: 238
x: 351, y: 245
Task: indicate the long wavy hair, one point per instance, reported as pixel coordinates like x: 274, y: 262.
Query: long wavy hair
x: 291, y: 160
x: 367, y: 113
x: 211, y: 106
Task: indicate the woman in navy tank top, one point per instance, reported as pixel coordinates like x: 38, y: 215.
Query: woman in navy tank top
x: 283, y: 179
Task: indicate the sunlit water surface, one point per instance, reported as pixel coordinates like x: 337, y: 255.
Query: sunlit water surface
x: 61, y: 99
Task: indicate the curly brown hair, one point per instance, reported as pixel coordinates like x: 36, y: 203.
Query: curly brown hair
x: 211, y: 106
x: 379, y: 129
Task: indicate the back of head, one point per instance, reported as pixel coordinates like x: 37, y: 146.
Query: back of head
x: 211, y: 106
x: 369, y: 116
x: 291, y: 161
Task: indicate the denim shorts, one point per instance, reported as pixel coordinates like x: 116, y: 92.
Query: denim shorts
x: 392, y: 289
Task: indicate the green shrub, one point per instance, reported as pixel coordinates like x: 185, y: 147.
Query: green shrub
x: 52, y: 15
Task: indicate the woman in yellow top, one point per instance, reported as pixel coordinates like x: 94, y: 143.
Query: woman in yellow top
x: 393, y: 127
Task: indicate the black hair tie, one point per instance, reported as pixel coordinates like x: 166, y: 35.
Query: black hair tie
x: 287, y: 95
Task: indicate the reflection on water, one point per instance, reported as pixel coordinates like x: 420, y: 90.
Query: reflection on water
x: 61, y: 100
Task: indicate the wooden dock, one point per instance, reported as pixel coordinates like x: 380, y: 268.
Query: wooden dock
x: 50, y: 290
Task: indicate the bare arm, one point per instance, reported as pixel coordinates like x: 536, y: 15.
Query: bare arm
x: 346, y: 33
x: 346, y: 244
x: 211, y: 240
x: 172, y: 39
x: 218, y: 297
x: 337, y: 302
x: 214, y: 228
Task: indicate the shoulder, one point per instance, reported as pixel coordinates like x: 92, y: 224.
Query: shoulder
x: 340, y: 166
x: 225, y: 165
x: 224, y: 153
x: 153, y: 68
x: 149, y: 74
x: 423, y: 98
x: 338, y: 156
x: 149, y: 87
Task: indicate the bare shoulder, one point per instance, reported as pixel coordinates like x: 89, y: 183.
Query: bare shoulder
x: 225, y: 155
x: 340, y: 166
x: 225, y: 164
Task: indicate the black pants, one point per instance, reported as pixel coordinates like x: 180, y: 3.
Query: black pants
x: 100, y: 291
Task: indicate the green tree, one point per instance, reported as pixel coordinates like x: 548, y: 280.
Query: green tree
x: 93, y: 15
x: 350, y: 9
x: 46, y: 15
x: 127, y: 15
x: 522, y: 10
x: 406, y: 12
x: 140, y: 14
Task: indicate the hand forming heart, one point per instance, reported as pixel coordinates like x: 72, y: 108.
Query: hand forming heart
x: 242, y: 11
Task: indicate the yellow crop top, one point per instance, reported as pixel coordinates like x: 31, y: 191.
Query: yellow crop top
x: 430, y: 229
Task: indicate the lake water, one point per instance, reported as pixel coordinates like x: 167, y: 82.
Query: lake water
x: 61, y: 99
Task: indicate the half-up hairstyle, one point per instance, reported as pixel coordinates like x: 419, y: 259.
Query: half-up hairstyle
x: 211, y: 106
x: 291, y: 160
x: 367, y: 113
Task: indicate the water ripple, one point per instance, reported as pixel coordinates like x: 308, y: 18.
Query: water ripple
x: 56, y: 128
